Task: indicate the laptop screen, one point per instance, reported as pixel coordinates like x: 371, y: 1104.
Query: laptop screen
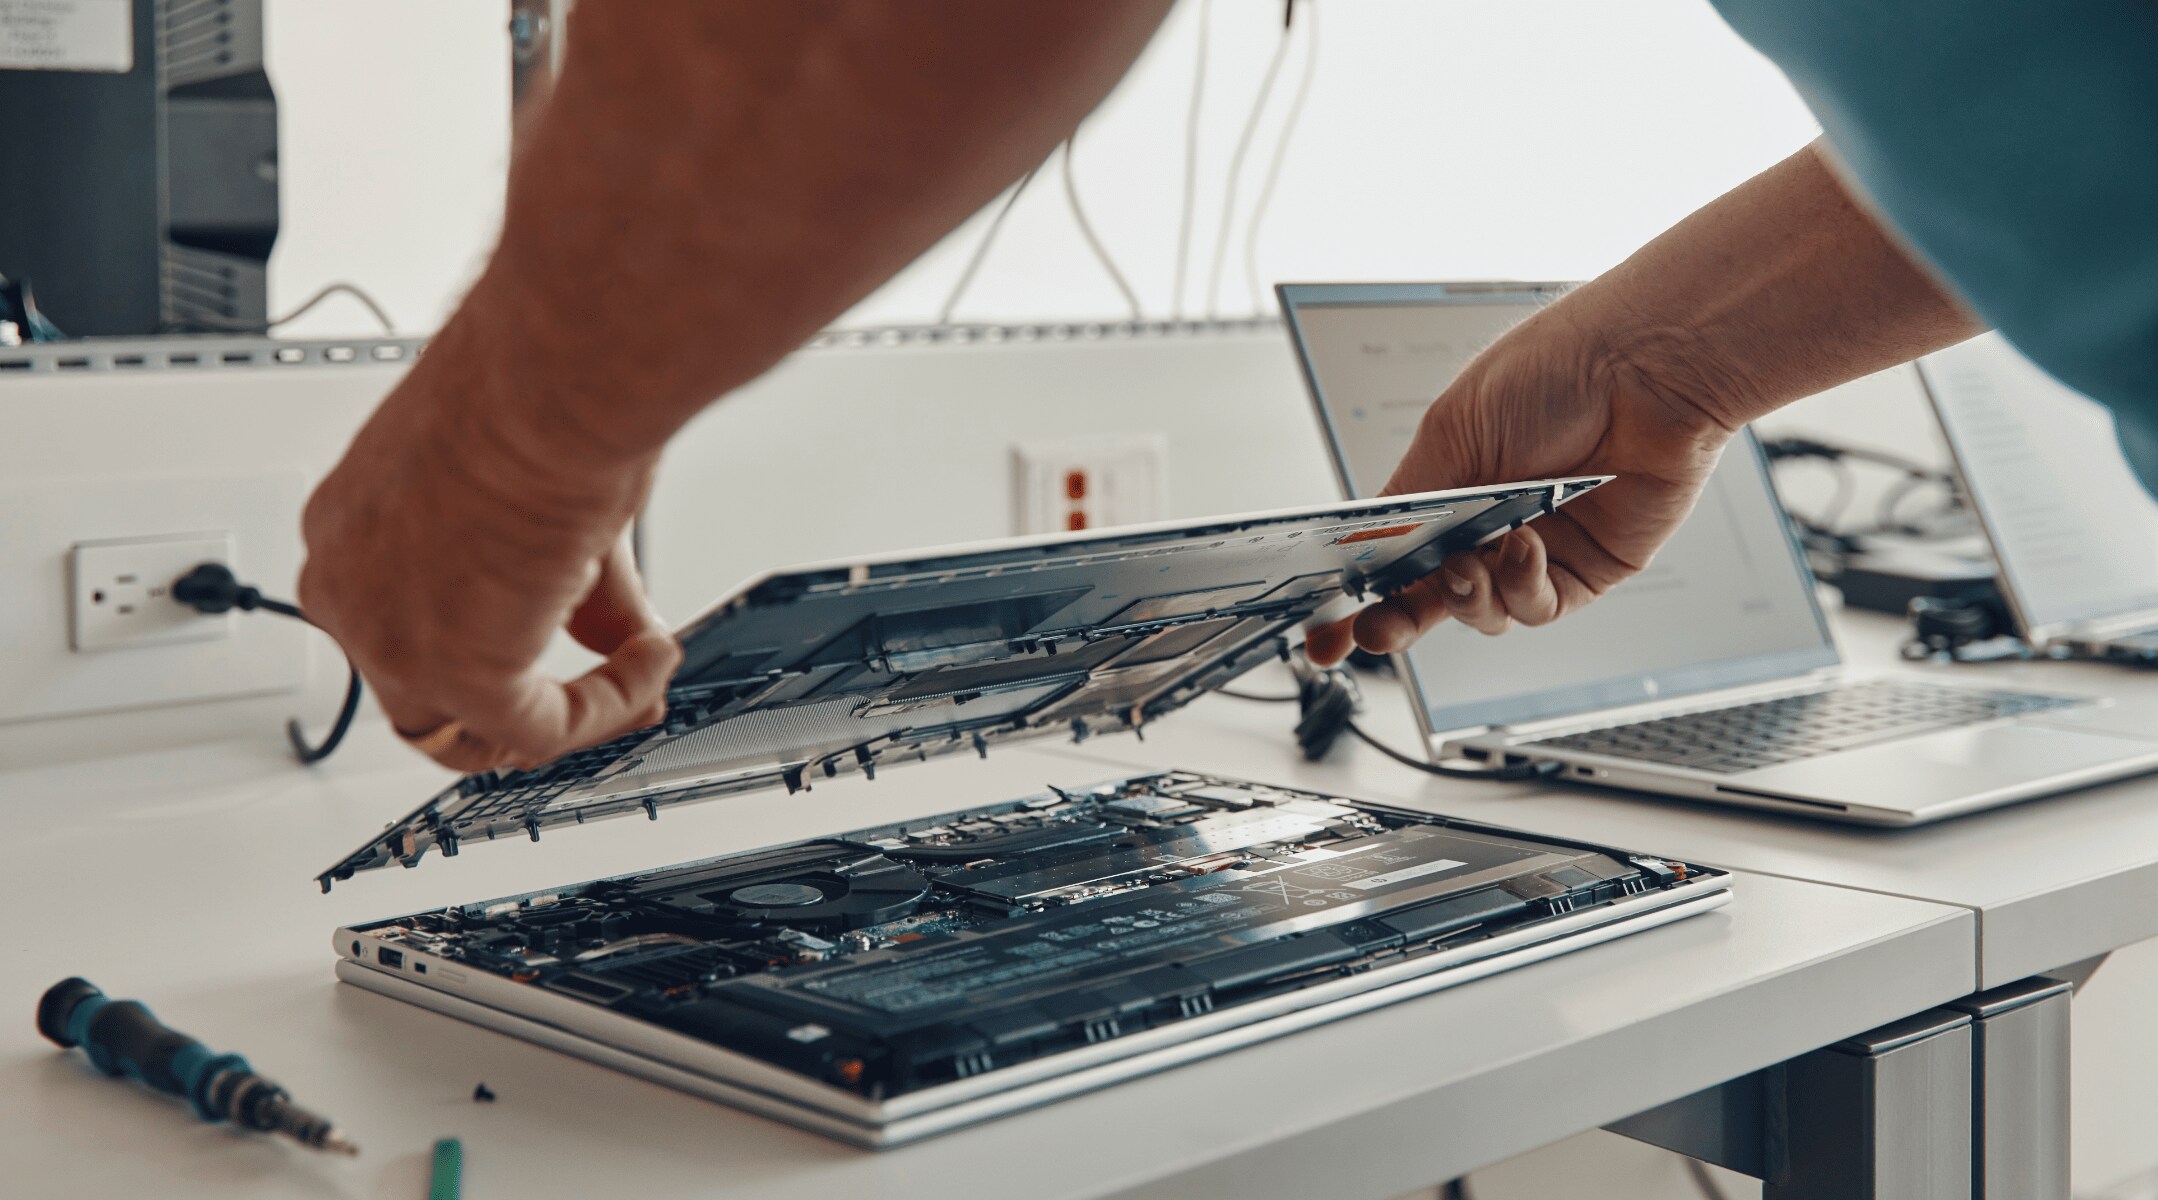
x: 1728, y: 601
x: 2076, y: 534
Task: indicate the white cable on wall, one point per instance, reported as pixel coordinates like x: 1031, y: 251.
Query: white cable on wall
x: 1236, y: 168
x: 1281, y: 152
x: 1191, y: 158
x: 1086, y: 230
x: 981, y: 248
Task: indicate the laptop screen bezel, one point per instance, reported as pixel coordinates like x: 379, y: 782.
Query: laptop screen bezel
x: 1639, y: 687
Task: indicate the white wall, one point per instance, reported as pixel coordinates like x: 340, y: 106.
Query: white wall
x: 393, y: 146
x: 63, y: 434
x: 1531, y: 139
x: 1442, y: 139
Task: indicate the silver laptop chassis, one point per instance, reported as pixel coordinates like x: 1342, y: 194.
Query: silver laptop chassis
x: 627, y: 1044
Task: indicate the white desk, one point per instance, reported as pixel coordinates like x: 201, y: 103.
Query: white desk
x: 184, y: 879
x: 2053, y: 881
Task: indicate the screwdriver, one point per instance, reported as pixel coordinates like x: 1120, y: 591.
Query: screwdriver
x: 123, y: 1038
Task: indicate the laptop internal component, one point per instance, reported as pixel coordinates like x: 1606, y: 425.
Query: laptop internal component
x: 890, y: 960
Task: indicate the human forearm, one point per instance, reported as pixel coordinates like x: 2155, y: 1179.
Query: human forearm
x: 1779, y: 289
x: 713, y: 182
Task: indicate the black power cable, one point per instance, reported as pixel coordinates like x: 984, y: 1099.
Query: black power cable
x: 1328, y: 700
x: 1704, y: 1182
x: 18, y: 309
x: 212, y: 588
x: 1829, y: 544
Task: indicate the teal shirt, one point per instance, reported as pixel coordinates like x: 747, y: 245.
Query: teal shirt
x: 2014, y: 145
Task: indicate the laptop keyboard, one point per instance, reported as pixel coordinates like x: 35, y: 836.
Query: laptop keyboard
x: 1747, y: 737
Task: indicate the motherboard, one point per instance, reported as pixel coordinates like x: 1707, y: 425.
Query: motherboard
x: 891, y: 959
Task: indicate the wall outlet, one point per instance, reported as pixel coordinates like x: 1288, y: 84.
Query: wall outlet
x: 66, y: 541
x: 120, y: 591
x: 1090, y: 483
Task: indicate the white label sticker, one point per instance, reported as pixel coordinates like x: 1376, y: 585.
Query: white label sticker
x: 67, y: 35
x: 1429, y: 868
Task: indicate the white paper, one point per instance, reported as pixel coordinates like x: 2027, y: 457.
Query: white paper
x: 67, y: 35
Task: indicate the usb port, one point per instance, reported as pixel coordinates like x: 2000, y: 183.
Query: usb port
x: 390, y: 958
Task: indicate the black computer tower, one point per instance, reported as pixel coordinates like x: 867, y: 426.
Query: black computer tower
x: 138, y: 179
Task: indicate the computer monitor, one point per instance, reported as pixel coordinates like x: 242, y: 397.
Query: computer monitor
x: 2074, y: 530
x: 1729, y: 601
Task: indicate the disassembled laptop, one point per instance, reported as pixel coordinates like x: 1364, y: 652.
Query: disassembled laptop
x: 889, y: 983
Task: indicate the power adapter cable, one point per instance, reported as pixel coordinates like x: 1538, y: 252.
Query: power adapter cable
x: 1327, y: 702
x: 1704, y: 1182
x: 1974, y: 628
x: 212, y: 588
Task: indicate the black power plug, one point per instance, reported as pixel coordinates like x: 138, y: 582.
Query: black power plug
x: 1327, y: 701
x: 212, y: 588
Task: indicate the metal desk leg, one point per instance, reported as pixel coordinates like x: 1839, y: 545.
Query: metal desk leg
x: 1968, y: 1102
x: 2021, y: 1066
x: 1886, y: 1115
x: 1736, y: 1125
x: 1882, y: 1116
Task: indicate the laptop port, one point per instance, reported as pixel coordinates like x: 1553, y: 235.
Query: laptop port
x: 1474, y: 755
x: 390, y: 958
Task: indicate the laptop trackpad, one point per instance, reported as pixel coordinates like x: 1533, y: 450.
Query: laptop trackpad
x: 2128, y: 719
x: 1958, y: 764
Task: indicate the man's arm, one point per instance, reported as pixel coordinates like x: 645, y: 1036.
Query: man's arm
x: 711, y: 183
x: 1774, y: 291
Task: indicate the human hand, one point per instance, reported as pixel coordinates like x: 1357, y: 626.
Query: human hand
x: 1548, y: 399
x: 443, y: 553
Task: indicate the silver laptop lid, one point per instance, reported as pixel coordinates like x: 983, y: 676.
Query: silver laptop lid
x: 1729, y: 602
x: 841, y: 666
x: 2074, y: 530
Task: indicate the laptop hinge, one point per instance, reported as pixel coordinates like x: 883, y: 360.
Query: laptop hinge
x: 2101, y: 628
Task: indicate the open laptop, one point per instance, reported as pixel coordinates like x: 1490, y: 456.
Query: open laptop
x: 2074, y: 531
x: 1712, y: 675
x: 884, y: 984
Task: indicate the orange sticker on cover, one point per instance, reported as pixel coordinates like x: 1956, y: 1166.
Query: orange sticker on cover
x: 1373, y: 535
